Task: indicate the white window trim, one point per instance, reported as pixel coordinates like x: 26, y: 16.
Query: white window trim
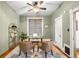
x: 34, y: 18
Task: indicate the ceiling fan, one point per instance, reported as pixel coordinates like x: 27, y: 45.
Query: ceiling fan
x: 36, y: 6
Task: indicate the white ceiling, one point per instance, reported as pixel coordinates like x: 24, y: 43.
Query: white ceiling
x: 18, y: 7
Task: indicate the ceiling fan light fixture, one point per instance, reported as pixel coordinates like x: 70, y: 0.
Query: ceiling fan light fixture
x: 36, y: 9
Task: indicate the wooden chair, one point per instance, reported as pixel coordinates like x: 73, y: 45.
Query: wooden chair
x: 46, y: 47
x: 25, y: 47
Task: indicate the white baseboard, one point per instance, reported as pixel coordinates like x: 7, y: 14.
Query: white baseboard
x: 66, y: 45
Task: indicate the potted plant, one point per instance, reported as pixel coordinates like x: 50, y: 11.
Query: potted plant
x: 23, y: 36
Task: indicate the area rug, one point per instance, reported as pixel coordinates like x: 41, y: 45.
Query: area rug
x: 41, y: 54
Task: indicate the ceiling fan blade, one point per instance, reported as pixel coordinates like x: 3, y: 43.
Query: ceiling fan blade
x: 30, y: 10
x: 43, y: 8
x: 41, y: 2
x: 29, y: 4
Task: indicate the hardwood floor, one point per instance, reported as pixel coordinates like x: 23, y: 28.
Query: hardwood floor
x: 54, y: 48
x: 59, y: 51
x: 77, y: 53
x: 6, y: 53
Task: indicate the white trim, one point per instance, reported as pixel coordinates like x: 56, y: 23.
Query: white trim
x: 71, y: 34
x: 42, y: 26
x: 72, y: 45
x: 66, y: 46
x: 76, y: 9
x: 28, y: 26
x: 34, y: 18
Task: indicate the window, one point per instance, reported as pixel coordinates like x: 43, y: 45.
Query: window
x: 35, y: 26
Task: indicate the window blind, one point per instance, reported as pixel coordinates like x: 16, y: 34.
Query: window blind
x: 35, y: 26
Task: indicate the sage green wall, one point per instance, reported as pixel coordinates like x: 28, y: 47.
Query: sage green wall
x: 23, y: 25
x: 66, y: 6
x: 47, y: 31
x: 7, y: 16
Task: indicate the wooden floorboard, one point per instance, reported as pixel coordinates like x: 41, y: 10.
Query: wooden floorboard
x: 59, y: 51
x: 6, y: 53
x: 77, y: 53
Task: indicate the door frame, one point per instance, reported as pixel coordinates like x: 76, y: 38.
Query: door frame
x: 73, y: 31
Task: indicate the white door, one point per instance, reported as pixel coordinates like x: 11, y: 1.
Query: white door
x: 58, y: 31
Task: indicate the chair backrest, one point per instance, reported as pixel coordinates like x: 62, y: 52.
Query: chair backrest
x: 44, y: 46
x: 25, y: 46
x: 47, y: 46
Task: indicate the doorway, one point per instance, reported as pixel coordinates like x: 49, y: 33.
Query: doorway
x: 74, y: 32
x: 77, y: 34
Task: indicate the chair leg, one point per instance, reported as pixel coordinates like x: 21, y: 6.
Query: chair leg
x: 33, y: 49
x: 19, y: 52
x: 45, y: 54
x: 41, y: 40
x: 51, y: 52
x: 38, y: 49
x: 26, y: 54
